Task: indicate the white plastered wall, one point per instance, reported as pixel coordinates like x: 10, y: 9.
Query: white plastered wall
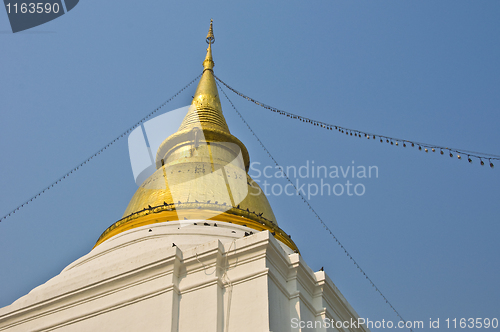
x: 215, y: 279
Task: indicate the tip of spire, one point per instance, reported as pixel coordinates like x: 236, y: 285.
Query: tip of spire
x: 209, y: 62
x: 210, y: 36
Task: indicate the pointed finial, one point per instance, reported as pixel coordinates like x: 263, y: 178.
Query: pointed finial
x: 209, y: 62
x: 210, y: 36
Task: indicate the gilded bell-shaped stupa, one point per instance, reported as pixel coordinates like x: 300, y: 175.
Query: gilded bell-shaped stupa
x: 201, y: 172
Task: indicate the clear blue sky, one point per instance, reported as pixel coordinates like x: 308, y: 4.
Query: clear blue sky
x: 426, y: 230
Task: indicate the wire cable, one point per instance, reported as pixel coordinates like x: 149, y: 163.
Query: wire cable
x: 312, y: 209
x: 97, y: 153
x: 388, y: 139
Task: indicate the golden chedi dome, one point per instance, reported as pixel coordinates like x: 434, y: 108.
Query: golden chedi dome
x: 201, y: 173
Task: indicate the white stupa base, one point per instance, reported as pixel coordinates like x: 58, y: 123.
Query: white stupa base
x: 138, y: 281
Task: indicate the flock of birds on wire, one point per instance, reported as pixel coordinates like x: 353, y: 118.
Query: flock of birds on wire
x: 357, y: 133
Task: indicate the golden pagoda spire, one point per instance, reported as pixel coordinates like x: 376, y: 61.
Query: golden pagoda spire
x: 207, y: 109
x: 208, y: 63
x: 210, y: 36
x: 202, y: 172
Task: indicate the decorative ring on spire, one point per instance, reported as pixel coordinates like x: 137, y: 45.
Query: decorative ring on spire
x: 210, y: 36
